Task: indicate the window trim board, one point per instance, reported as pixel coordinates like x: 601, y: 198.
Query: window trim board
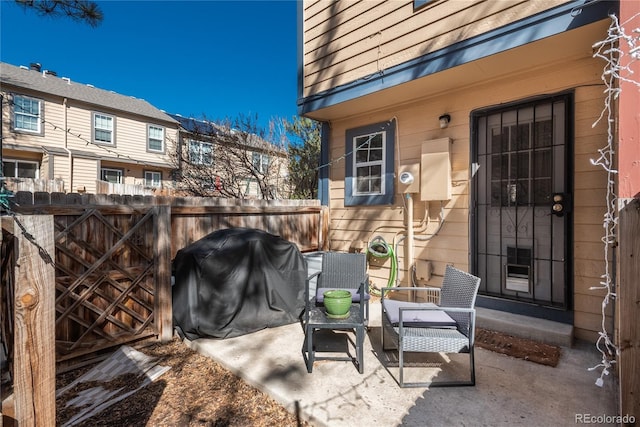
x: 388, y: 196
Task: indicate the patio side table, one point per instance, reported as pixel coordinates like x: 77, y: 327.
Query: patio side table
x: 318, y: 320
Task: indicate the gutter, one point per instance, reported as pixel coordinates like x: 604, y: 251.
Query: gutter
x: 66, y: 142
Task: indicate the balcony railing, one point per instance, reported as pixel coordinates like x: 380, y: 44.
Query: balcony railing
x: 104, y: 187
x: 34, y: 184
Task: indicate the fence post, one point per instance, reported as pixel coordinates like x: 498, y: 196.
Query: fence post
x: 162, y: 255
x: 35, y: 317
x: 628, y: 310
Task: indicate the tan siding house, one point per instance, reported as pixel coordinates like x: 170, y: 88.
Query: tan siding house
x: 217, y: 160
x: 490, y: 106
x: 78, y: 136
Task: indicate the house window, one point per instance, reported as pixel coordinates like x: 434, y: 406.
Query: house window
x: 155, y: 138
x: 20, y: 169
x: 261, y: 162
x: 200, y: 153
x: 152, y: 179
x: 419, y: 3
x: 103, y: 129
x: 27, y: 114
x: 113, y: 176
x: 369, y: 165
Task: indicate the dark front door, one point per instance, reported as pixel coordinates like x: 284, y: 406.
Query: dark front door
x: 521, y: 204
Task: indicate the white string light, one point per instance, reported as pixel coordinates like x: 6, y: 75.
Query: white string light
x: 614, y: 72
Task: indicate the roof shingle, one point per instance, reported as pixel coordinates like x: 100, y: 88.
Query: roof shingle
x: 49, y: 84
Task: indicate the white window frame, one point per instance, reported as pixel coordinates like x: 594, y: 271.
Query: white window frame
x: 150, y: 138
x: 119, y: 172
x: 18, y: 112
x: 198, y: 157
x: 359, y: 142
x: 95, y: 128
x: 153, y: 179
x: 17, y: 168
x: 355, y: 138
x: 261, y: 162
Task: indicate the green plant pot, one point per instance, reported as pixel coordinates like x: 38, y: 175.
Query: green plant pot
x: 337, y: 303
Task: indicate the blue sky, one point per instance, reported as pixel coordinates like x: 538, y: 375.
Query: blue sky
x: 219, y: 59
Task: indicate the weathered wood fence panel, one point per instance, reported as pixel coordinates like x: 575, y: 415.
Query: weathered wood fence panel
x: 628, y: 309
x: 298, y: 221
x: 105, y: 282
x: 33, y: 347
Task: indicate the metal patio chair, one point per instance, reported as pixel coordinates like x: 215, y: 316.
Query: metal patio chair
x: 444, y: 324
x: 347, y: 271
x: 342, y: 271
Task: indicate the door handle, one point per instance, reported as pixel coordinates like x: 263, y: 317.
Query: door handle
x: 560, y: 203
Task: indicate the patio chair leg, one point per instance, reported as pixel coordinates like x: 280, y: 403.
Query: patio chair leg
x: 310, y: 354
x: 360, y: 348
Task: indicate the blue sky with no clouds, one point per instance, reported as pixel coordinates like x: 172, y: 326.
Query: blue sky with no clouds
x: 214, y: 59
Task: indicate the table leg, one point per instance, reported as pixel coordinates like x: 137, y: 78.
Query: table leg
x: 310, y: 353
x: 360, y: 348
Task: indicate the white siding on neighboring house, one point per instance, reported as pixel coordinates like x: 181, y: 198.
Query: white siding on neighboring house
x: 85, y: 173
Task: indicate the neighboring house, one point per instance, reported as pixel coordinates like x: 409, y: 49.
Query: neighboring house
x: 80, y: 138
x: 217, y: 160
x: 489, y: 106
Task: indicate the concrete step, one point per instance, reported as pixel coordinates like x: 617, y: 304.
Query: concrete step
x: 542, y: 330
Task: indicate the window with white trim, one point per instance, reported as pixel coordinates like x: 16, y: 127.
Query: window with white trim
x: 261, y: 162
x: 27, y: 114
x: 103, y: 129
x: 155, y: 138
x: 200, y: 152
x: 369, y: 167
x: 113, y: 176
x: 20, y: 169
x: 152, y: 179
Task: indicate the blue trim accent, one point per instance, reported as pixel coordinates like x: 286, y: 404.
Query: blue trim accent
x: 383, y: 199
x: 533, y: 28
x: 323, y: 172
x: 419, y: 3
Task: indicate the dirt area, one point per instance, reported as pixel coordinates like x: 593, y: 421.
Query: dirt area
x: 197, y: 391
x: 520, y: 348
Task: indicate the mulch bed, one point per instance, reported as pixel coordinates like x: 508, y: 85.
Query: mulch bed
x: 520, y: 348
x: 196, y: 391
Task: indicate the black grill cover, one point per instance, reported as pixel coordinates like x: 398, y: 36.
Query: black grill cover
x: 237, y: 281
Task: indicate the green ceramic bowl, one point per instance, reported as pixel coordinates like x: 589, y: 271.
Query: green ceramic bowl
x: 337, y: 302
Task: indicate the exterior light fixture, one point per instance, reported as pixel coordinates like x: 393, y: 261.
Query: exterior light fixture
x: 444, y: 121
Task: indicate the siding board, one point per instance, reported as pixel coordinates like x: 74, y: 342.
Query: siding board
x: 345, y: 42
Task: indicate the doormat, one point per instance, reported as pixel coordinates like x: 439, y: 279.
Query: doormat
x: 521, y: 348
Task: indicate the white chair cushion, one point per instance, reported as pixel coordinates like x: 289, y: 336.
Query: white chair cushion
x: 417, y: 318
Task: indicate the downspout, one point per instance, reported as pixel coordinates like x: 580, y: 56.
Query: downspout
x: 66, y: 142
x: 408, y: 247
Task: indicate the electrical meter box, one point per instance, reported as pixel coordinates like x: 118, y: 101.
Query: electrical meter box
x: 435, y: 173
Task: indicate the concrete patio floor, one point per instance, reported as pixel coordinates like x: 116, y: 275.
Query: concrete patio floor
x: 508, y: 391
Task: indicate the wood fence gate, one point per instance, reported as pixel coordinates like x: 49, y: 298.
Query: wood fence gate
x: 112, y: 278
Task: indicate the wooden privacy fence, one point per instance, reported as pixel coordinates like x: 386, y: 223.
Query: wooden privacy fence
x: 108, y: 282
x: 628, y: 309
x: 113, y: 257
x: 28, y: 318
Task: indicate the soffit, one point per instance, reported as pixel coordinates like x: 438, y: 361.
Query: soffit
x: 551, y: 51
